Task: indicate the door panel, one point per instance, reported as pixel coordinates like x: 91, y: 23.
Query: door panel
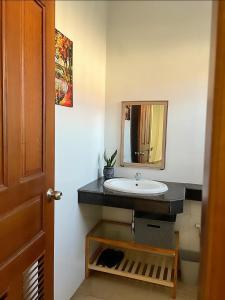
x: 23, y: 223
x: 32, y: 107
x: 26, y: 159
x: 12, y: 89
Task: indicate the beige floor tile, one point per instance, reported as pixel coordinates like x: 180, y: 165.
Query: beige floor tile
x: 83, y: 297
x: 109, y: 287
x: 100, y: 286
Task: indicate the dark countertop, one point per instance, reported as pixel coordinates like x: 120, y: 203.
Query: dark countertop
x: 193, y: 191
x: 169, y: 203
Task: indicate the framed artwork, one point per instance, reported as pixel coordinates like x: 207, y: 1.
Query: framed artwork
x: 63, y: 70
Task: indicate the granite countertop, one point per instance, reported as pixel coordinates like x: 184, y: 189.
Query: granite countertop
x: 176, y: 191
x: 193, y: 191
x: 170, y: 202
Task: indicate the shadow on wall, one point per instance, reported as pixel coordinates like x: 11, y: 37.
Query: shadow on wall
x: 100, y: 166
x: 90, y: 215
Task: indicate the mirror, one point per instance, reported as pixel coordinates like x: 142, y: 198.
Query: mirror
x: 143, y: 134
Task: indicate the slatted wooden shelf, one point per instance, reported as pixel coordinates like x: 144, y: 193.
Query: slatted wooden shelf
x: 151, y: 268
x: 141, y: 262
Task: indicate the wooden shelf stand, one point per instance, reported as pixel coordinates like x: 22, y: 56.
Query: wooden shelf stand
x: 141, y: 261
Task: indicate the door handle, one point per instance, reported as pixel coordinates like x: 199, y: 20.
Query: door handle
x: 54, y: 195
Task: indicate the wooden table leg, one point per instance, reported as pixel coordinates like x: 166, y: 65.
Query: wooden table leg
x: 87, y: 254
x: 175, y: 266
x: 174, y: 291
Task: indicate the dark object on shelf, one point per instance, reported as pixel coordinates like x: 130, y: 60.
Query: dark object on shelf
x: 110, y: 258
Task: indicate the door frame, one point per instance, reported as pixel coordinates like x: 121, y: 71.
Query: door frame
x: 212, y: 263
x: 50, y: 143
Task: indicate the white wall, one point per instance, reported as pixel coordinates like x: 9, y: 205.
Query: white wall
x: 159, y: 50
x: 79, y: 138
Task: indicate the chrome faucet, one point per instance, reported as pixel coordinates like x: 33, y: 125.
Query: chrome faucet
x: 138, y: 176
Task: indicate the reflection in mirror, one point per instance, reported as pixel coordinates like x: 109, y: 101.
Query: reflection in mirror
x: 144, y: 133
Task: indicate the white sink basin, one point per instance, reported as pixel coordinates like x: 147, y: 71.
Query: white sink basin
x: 143, y: 186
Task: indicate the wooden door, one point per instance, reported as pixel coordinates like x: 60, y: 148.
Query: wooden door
x: 26, y: 149
x: 212, y: 280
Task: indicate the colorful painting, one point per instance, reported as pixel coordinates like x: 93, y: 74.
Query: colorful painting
x: 63, y: 70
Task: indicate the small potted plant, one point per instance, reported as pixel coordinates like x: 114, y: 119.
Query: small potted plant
x: 109, y: 167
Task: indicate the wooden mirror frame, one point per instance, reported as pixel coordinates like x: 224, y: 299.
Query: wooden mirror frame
x: 160, y: 166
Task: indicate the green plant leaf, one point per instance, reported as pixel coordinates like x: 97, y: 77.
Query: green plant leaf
x: 105, y: 157
x: 113, y: 156
x: 113, y: 164
x: 110, y: 162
